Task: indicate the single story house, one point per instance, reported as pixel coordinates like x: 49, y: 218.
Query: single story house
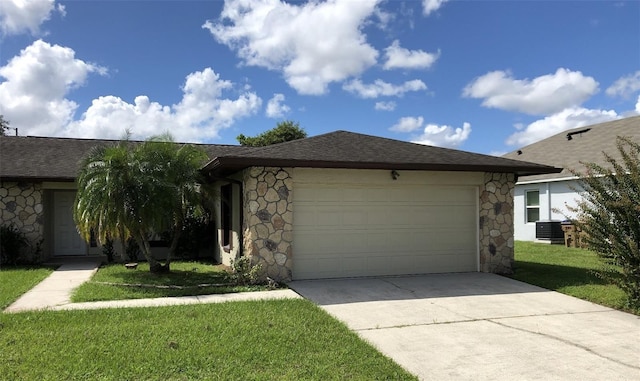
x: 335, y: 205
x: 546, y: 197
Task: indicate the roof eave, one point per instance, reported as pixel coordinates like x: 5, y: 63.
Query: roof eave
x: 33, y: 179
x: 223, y: 166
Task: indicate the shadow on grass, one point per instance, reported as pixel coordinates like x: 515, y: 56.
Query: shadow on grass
x: 183, y: 274
x: 175, y: 277
x: 554, y: 277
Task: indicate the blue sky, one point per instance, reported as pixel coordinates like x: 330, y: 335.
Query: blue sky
x: 482, y: 76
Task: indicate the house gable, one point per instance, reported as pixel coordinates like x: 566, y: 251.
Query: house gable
x: 570, y: 148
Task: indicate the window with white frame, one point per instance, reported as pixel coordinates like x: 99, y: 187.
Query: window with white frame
x: 532, y: 205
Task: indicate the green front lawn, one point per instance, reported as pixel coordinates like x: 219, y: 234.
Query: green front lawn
x: 115, y: 282
x: 566, y: 270
x: 16, y: 280
x: 262, y: 340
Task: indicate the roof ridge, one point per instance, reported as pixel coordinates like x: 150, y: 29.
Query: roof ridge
x: 23, y: 137
x: 596, y: 126
x: 278, y: 145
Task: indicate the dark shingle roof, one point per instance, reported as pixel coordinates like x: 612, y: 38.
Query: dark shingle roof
x: 342, y: 149
x: 42, y: 158
x: 586, y: 145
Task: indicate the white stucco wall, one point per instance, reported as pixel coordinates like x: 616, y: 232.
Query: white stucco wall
x: 554, y: 199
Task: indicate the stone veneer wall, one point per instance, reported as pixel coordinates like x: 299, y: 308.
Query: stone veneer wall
x: 21, y: 205
x: 496, y: 223
x: 268, y: 220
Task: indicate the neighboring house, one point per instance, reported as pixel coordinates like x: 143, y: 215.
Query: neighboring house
x: 335, y: 205
x: 545, y: 197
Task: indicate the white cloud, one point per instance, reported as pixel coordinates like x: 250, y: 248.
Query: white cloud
x: 384, y: 18
x: 444, y: 136
x: 312, y: 44
x: 556, y: 123
x: 385, y: 106
x: 36, y: 82
x: 381, y: 88
x: 401, y: 58
x: 638, y: 105
x: 34, y: 97
x: 625, y: 86
x: 430, y: 6
x: 408, y: 124
x: 199, y: 116
x: 275, y: 108
x: 21, y: 16
x: 62, y: 10
x: 543, y: 95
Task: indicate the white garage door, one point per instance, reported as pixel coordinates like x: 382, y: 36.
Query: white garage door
x: 349, y: 231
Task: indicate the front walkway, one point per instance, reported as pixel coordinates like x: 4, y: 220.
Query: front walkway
x: 54, y: 293
x: 56, y: 289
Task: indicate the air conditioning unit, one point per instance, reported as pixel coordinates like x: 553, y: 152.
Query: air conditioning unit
x: 549, y: 232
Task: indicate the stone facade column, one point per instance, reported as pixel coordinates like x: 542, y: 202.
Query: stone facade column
x: 268, y: 220
x: 21, y: 204
x: 496, y: 223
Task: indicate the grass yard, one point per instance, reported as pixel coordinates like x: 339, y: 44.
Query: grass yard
x: 566, y: 270
x: 16, y: 280
x: 109, y: 282
x: 262, y: 340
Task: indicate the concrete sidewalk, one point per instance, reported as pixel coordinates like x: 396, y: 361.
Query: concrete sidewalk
x: 54, y: 293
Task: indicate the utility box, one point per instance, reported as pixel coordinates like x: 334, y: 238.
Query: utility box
x: 549, y: 232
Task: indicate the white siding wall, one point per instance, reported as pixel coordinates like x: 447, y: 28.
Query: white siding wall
x: 553, y: 195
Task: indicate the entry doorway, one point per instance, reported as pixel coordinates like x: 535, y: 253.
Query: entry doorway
x: 66, y: 239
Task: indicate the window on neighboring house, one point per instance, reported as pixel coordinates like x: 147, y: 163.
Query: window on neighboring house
x: 532, y: 199
x: 226, y: 193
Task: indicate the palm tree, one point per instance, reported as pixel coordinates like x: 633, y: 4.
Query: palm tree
x: 182, y: 187
x: 102, y: 183
x: 136, y: 190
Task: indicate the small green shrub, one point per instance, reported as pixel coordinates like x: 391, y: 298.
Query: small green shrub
x: 132, y: 250
x: 107, y: 249
x: 36, y: 251
x: 245, y: 272
x: 12, y: 241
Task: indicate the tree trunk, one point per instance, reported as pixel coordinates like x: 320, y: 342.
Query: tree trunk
x: 177, y: 233
x: 154, y: 265
x: 123, y: 246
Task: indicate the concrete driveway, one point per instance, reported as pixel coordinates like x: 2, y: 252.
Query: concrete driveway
x: 479, y: 326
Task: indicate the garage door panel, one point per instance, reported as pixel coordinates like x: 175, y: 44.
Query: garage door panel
x: 366, y: 231
x: 354, y: 217
x: 453, y: 195
x: 449, y: 217
x: 373, y: 241
x: 303, y: 194
x: 353, y: 195
x: 376, y: 195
